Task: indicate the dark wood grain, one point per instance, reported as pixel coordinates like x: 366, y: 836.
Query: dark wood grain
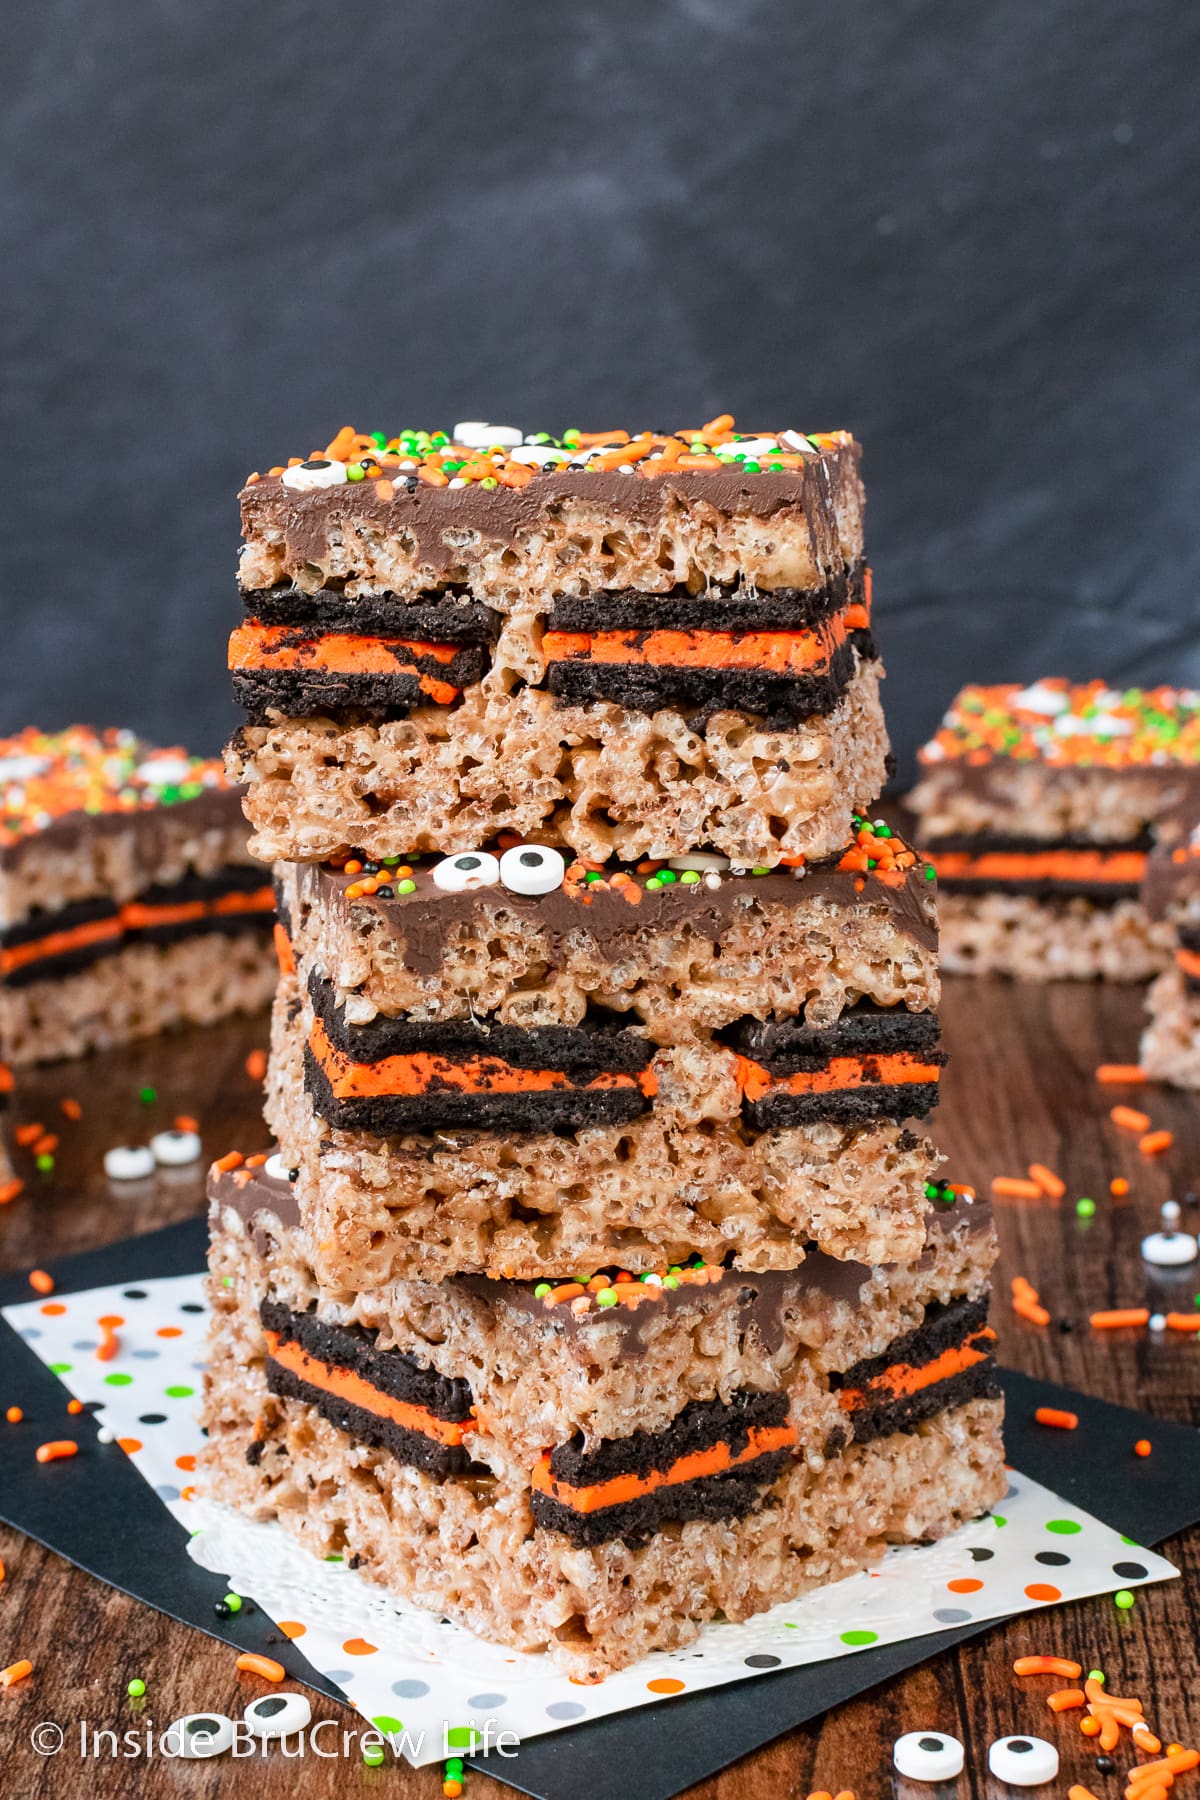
x: 1020, y: 1088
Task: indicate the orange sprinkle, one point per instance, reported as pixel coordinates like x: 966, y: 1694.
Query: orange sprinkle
x: 28, y: 1134
x: 185, y: 1122
x: 1155, y: 1142
x: 15, y: 1672
x: 46, y: 1146
x: 9, y: 1190
x: 1023, y: 1289
x: 569, y: 1290
x: 1030, y: 1309
x: 1051, y: 1184
x: 1090, y: 1727
x: 1079, y: 1792
x: 74, y: 1406
x: 1129, y: 1118
x: 1121, y: 1074
x: 1122, y: 1315
x: 1118, y: 1187
x: 1012, y: 1187
x: 1177, y: 1321
x: 1065, y: 1700
x: 1142, y: 1447
x: 265, y: 1666
x: 71, y: 1109
x: 1047, y: 1665
x: 108, y: 1346
x: 40, y: 1282
x: 256, y: 1064
x: 56, y: 1451
x: 1053, y: 1415
x: 14, y: 1415
x: 223, y: 1164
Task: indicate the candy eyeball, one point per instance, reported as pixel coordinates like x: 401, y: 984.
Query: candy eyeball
x: 199, y: 1734
x: 317, y: 472
x: 532, y: 869
x: 928, y: 1756
x: 1023, y: 1761
x: 459, y: 874
x: 477, y: 434
x: 172, y: 1149
x: 275, y: 1169
x: 1169, y: 1249
x: 129, y: 1162
x: 278, y: 1715
x: 164, y: 771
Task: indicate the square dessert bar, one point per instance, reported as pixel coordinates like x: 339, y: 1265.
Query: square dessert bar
x: 511, y: 1061
x: 596, y: 1467
x: 120, y: 864
x: 631, y: 644
x: 1038, y: 806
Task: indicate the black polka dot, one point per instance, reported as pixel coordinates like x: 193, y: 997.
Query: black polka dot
x: 1130, y: 1570
x: 152, y: 1418
x: 134, y: 1294
x: 191, y: 1306
x: 980, y: 1555
x: 763, y: 1662
x: 1052, y: 1559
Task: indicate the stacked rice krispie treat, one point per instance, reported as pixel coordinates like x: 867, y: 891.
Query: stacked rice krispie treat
x: 602, y: 1282
x: 1171, y: 893
x: 1038, y: 806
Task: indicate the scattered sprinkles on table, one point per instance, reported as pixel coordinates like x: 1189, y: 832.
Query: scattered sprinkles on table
x: 1062, y: 724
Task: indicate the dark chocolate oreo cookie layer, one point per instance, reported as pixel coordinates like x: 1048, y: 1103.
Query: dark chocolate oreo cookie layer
x: 700, y: 1425
x: 296, y: 693
x: 451, y: 617
x: 1065, y: 869
x: 905, y: 1412
x: 729, y: 1496
x: 350, y: 1347
x: 947, y: 1359
x: 642, y: 687
x: 766, y: 609
x: 787, y: 1046
x: 366, y: 1427
x: 845, y: 1106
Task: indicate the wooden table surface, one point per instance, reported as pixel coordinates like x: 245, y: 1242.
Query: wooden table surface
x: 1020, y: 1088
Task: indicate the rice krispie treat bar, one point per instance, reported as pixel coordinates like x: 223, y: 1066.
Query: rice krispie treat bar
x: 596, y: 1467
x: 631, y: 644
x: 120, y: 863
x: 509, y: 1061
x: 1038, y: 806
x: 1170, y: 1049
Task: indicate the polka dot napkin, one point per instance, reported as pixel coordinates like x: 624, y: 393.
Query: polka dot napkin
x: 429, y: 1685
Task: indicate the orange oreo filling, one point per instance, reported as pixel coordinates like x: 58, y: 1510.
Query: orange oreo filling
x: 774, y: 652
x: 1188, y: 961
x: 60, y: 943
x: 716, y: 1460
x: 903, y: 1379
x: 421, y: 1070
x: 345, y: 1385
x: 285, y: 956
x: 276, y: 647
x: 1124, y: 868
x: 136, y: 915
x: 895, y: 1070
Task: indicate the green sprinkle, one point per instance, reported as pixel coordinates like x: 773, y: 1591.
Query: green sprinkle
x: 406, y: 887
x: 1085, y: 1207
x: 147, y: 1095
x: 689, y: 878
x: 541, y: 1290
x: 667, y: 876
x: 391, y: 862
x: 335, y: 1556
x: 454, y: 1767
x: 1096, y: 1675
x: 489, y: 481
x: 670, y: 1281
x: 760, y: 871
x: 234, y: 1602
x: 355, y: 472
x: 752, y: 468
x: 45, y: 1162
x: 592, y: 876
x: 654, y: 882
x: 227, y: 1281
x: 1123, y: 1599
x: 930, y: 872
x: 372, y: 1755
x: 931, y: 1191
x: 606, y: 1297
x: 136, y: 1688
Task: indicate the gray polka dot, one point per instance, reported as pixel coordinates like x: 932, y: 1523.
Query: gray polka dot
x: 30, y: 1333
x: 482, y: 1700
x: 84, y: 1344
x: 1010, y: 1492
x: 763, y: 1662
x: 341, y: 1676
x: 565, y: 1709
x: 167, y: 1492
x: 145, y: 1355
x: 410, y: 1690
x: 951, y: 1615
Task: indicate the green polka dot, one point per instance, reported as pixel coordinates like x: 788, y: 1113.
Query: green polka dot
x: 179, y: 1393
x: 1063, y: 1527
x: 119, y: 1380
x: 384, y: 1722
x: 1132, y: 1542
x: 860, y: 1637
x: 461, y: 1737
x: 60, y: 1368
x: 999, y: 1519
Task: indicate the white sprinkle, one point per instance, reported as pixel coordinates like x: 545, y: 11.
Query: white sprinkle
x: 129, y: 1162
x: 1170, y: 1212
x: 1157, y: 1322
x: 106, y: 1435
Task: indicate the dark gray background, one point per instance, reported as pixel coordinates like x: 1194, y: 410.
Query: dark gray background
x: 966, y: 231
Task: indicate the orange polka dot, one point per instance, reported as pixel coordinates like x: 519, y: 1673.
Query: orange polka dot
x: 1041, y: 1590
x: 665, y: 1684
x: 187, y: 1463
x: 358, y: 1647
x: 169, y: 1331
x: 966, y: 1585
x: 53, y: 1309
x: 292, y: 1628
x: 110, y: 1321
x: 129, y: 1445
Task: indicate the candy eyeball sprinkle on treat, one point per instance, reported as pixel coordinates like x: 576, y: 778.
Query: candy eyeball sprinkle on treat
x: 129, y: 1162
x: 477, y: 434
x: 172, y: 1149
x: 278, y: 1715
x: 164, y: 771
x: 928, y: 1756
x: 275, y: 1169
x: 317, y: 472
x: 459, y: 874
x: 532, y: 869
x: 1023, y: 1761
x: 200, y: 1734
